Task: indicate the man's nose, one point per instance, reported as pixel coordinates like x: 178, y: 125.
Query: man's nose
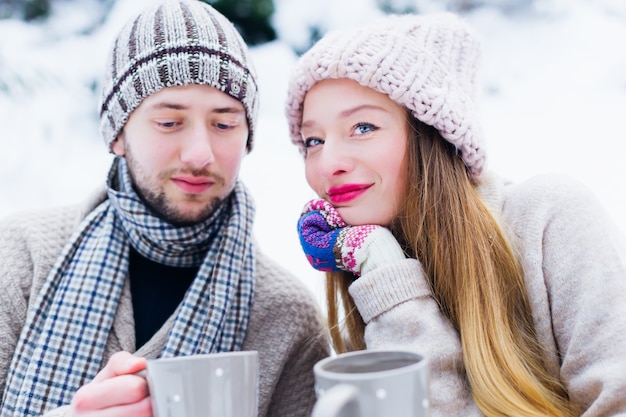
x: 197, y: 151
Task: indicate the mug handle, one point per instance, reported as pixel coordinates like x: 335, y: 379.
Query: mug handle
x: 175, y: 404
x: 336, y: 400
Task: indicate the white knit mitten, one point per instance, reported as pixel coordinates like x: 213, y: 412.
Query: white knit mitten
x: 365, y: 248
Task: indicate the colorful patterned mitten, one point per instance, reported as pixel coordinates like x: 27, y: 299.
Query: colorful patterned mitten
x: 331, y: 245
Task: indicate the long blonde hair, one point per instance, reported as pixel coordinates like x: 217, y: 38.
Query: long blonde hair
x: 474, y: 276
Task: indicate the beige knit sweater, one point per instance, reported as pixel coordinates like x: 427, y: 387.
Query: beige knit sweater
x: 285, y: 327
x: 574, y: 261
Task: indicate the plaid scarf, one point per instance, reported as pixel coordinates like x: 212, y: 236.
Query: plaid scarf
x: 63, y: 340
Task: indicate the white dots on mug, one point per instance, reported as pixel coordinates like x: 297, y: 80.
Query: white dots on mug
x: 176, y: 398
x: 425, y: 403
x: 219, y: 372
x: 381, y: 394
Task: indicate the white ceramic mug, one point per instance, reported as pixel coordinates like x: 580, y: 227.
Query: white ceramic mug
x: 372, y: 383
x: 212, y: 385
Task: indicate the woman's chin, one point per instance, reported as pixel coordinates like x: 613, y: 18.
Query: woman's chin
x: 354, y: 216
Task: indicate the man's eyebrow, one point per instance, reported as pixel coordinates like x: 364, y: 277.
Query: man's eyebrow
x: 179, y: 106
x: 168, y: 105
x: 234, y: 110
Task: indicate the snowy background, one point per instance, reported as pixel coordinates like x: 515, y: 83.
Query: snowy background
x: 553, y: 99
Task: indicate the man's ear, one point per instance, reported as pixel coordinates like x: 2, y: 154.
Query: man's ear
x: 118, y: 147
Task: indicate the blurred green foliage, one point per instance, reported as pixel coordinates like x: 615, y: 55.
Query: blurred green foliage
x: 251, y: 17
x: 34, y: 9
x: 24, y: 9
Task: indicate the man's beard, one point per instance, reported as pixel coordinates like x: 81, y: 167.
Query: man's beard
x: 156, y: 200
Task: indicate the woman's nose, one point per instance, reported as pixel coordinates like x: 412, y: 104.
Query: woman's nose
x: 334, y: 160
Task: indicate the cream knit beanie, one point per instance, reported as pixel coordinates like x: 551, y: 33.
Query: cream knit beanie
x: 175, y: 43
x: 427, y: 63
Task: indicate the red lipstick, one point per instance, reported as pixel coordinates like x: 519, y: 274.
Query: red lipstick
x: 346, y: 192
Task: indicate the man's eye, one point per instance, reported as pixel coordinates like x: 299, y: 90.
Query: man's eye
x: 224, y: 126
x: 167, y: 125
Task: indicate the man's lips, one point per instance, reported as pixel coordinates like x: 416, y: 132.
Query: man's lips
x: 346, y: 192
x: 193, y: 185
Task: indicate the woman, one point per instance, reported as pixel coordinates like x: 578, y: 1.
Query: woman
x: 514, y: 291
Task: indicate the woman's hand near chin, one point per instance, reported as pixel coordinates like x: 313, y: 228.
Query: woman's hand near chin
x: 332, y: 245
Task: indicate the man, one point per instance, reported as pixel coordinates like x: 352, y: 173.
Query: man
x: 162, y: 262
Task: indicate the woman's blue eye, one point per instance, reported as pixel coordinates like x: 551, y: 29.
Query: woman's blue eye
x: 363, y: 128
x: 310, y: 142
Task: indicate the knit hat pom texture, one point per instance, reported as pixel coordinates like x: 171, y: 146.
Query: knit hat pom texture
x: 427, y: 63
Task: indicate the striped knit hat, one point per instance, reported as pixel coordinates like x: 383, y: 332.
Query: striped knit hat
x: 175, y: 43
x: 427, y: 63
